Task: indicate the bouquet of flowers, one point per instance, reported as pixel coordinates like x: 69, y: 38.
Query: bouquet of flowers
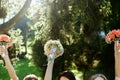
x: 53, y: 49
x: 113, y: 35
x: 5, y: 40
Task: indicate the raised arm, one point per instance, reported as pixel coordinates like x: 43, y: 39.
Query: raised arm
x: 117, y: 59
x: 9, y: 67
x: 53, y: 49
x: 49, y: 70
x: 51, y: 58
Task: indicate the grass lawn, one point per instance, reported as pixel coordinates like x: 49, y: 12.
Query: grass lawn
x: 22, y: 68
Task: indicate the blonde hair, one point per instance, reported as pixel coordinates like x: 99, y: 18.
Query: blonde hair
x: 93, y: 77
x: 30, y: 77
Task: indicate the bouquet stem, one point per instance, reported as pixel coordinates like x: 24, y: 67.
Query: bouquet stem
x: 3, y: 43
x: 117, y: 39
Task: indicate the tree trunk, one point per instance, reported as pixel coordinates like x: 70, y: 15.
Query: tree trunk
x: 8, y: 25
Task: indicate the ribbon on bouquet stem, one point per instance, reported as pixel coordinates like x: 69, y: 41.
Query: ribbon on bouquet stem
x: 52, y: 53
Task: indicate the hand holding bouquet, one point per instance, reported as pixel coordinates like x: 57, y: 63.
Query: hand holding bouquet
x: 113, y: 35
x: 53, y: 49
x: 5, y: 41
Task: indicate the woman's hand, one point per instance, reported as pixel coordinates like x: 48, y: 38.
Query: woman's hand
x: 117, y: 58
x: 53, y: 49
x: 117, y: 47
x: 3, y: 51
x: 10, y: 69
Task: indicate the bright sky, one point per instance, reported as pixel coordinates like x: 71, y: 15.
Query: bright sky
x: 13, y: 7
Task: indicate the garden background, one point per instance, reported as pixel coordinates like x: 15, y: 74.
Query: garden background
x: 80, y: 25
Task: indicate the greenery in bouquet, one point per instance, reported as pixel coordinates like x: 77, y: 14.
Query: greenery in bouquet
x: 112, y: 36
x: 53, y: 49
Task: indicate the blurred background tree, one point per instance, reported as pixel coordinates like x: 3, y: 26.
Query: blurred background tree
x: 80, y: 25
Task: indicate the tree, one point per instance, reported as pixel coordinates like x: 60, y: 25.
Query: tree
x: 8, y: 25
x: 78, y: 24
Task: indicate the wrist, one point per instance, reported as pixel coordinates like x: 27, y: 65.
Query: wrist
x: 5, y: 57
x: 117, y: 78
x: 50, y: 62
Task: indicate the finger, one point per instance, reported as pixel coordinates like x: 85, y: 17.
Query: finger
x: 115, y: 45
x: 3, y: 48
x: 118, y: 46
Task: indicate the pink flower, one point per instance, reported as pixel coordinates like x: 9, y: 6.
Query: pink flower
x: 4, y: 38
x: 107, y: 38
x: 7, y: 39
x: 118, y: 33
x: 112, y: 36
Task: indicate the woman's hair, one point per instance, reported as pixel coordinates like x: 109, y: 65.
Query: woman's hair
x: 30, y: 77
x: 68, y: 74
x: 93, y: 77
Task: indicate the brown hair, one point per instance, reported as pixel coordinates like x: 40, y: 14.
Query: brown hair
x: 68, y: 74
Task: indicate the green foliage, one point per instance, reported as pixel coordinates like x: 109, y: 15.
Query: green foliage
x: 28, y: 67
x: 77, y: 24
x: 8, y: 9
x: 3, y: 8
x: 38, y: 56
x: 22, y: 68
x: 16, y: 36
x: 3, y: 72
x: 41, y: 60
x: 17, y: 39
x: 107, y: 61
x: 3, y: 12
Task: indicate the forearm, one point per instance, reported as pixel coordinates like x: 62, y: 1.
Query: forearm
x: 10, y: 68
x: 117, y: 65
x: 48, y: 74
x: 117, y: 78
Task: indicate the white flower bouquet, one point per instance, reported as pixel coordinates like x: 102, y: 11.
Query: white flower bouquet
x: 53, y: 49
